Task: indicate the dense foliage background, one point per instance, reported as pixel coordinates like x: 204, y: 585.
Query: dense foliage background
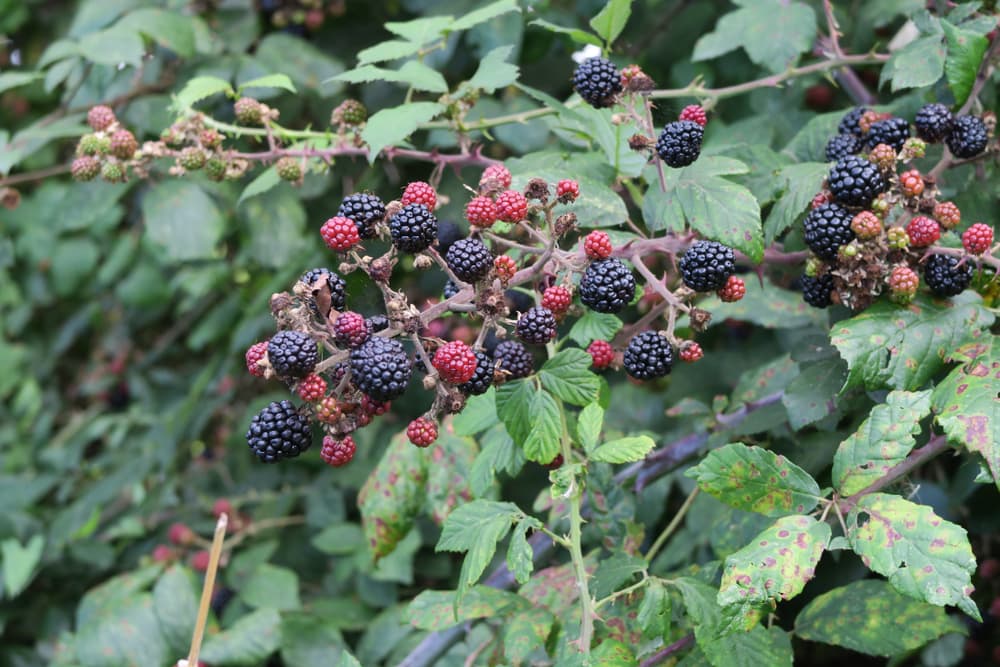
x: 126, y: 308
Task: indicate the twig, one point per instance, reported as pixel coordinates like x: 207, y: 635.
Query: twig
x: 206, y: 589
x: 916, y: 458
x: 672, y: 526
x: 667, y: 651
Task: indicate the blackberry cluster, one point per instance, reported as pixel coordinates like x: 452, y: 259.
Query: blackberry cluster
x: 679, y: 144
x: 414, y: 228
x: 513, y: 359
x: 336, y: 284
x: 944, y: 277
x: 828, y: 227
x: 851, y: 122
x: 381, y: 369
x: 469, y: 259
x: 967, y: 137
x: 292, y: 354
x: 482, y: 379
x: 855, y: 181
x: 817, y: 292
x: 707, y: 265
x: 278, y: 432
x: 933, y: 122
x: 597, y: 81
x: 842, y: 145
x: 537, y: 326
x: 607, y: 286
x: 648, y: 356
x: 365, y: 210
x: 891, y: 132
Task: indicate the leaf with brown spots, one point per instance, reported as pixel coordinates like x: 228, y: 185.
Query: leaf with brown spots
x: 525, y: 633
x: 436, y: 610
x: 754, y: 479
x: 393, y: 496
x: 448, y: 474
x: 882, y: 441
x: 967, y: 402
x: 774, y: 567
x: 904, y: 347
x: 923, y: 555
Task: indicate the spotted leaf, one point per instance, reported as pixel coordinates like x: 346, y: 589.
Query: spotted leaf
x: 436, y: 610
x: 393, y: 496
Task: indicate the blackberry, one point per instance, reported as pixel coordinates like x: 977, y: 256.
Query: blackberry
x: 933, y: 122
x: 944, y: 277
x: 537, y: 326
x: 597, y: 81
x: 842, y: 145
x: 451, y: 289
x: 336, y: 284
x: 377, y: 323
x: 365, y: 210
x: 648, y: 356
x: 707, y: 265
x: 447, y: 234
x: 292, y: 354
x: 469, y: 259
x: 828, y: 227
x: 891, y: 132
x: 967, y: 137
x: 855, y: 181
x: 414, y: 228
x: 679, y: 144
x: 514, y: 359
x: 481, y: 379
x: 518, y: 301
x: 381, y: 369
x: 278, y: 432
x: 849, y: 124
x: 607, y: 286
x: 817, y: 291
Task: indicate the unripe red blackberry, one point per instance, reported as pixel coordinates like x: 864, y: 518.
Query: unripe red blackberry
x: 923, y: 231
x: 911, y: 183
x: 162, y: 554
x: 481, y: 212
x: 555, y: 463
x: 694, y: 113
x: 123, y: 145
x: 866, y: 225
x: 373, y: 407
x: 977, y: 239
x: 567, y: 190
x: 199, y: 561
x: 328, y: 410
x: 601, y: 353
x: 512, y: 206
x: 883, y: 156
x: 455, y: 362
x: 192, y: 158
x: 100, y: 117
x: 419, y: 192
x: 113, y: 172
x: 255, y: 353
x: 820, y: 199
x: 85, y: 168
x: 903, y: 284
x: 495, y: 177
x: 537, y: 326
x: 350, y: 329
x: 248, y: 111
x: 210, y: 138
x: 422, y: 432
x: 222, y: 506
x: 734, y: 290
x: 557, y: 299
x: 311, y: 388
x: 597, y: 245
x: 948, y: 214
x: 180, y: 534
x: 691, y: 351
x: 505, y: 267
x: 289, y: 169
x: 340, y: 234
x: 338, y: 453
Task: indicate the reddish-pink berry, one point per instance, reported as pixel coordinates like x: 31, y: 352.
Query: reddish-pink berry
x: 329, y: 410
x: 374, y: 408
x: 455, y: 362
x: 512, y: 206
x: 312, y: 388
x: 903, y: 283
x: 505, y: 267
x: 495, y: 177
x: 557, y: 299
x: 695, y: 113
x: 734, y: 290
x: 222, y: 506
x: 123, y: 145
x: 923, y: 231
x: 419, y: 192
x: 422, y: 432
x: 481, y: 212
x: 691, y: 351
x: 340, y: 233
x: 597, y: 245
x: 100, y: 117
x: 338, y: 453
x: 180, y: 534
x: 820, y: 199
x: 948, y: 214
x: 977, y: 239
x: 567, y: 190
x: 163, y: 554
x: 911, y: 183
x: 255, y: 353
x: 200, y: 560
x: 351, y: 329
x: 866, y: 225
x: 601, y: 353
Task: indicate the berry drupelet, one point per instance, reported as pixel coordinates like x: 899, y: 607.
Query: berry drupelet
x: 648, y: 356
x: 381, y: 369
x: 607, y: 286
x: 351, y: 329
x: 365, y: 210
x: 278, y: 432
x: 707, y: 265
x: 855, y: 181
x: 945, y: 277
x: 597, y: 81
x: 679, y: 144
x: 537, y: 326
x: 292, y: 354
x: 413, y: 229
x: 469, y: 259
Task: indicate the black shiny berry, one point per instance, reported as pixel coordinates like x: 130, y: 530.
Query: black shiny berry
x: 514, y: 359
x: 679, y: 144
x: 855, y: 181
x: 707, y: 265
x: 381, y: 369
x: 607, y: 286
x: 944, y: 277
x: 365, y: 210
x: 414, y: 228
x: 967, y: 137
x: 597, y: 80
x: 469, y: 259
x: 378, y: 323
x: 292, y: 354
x: 278, y: 432
x: 850, y: 123
x: 451, y: 289
x: 828, y: 227
x: 648, y: 356
x: 891, y: 131
x: 336, y: 284
x: 447, y: 234
x: 483, y: 377
x: 842, y: 145
x: 817, y: 291
x: 537, y: 326
x: 933, y: 122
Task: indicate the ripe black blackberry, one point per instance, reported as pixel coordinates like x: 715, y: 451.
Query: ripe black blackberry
x: 841, y: 146
x: 597, y: 80
x: 451, y: 289
x: 513, y: 358
x: 933, y: 122
x: 707, y: 265
x: 469, y: 259
x: 365, y: 210
x: 381, y: 369
x: 483, y: 377
x: 414, y: 228
x: 518, y: 301
x: 447, y: 234
x: 607, y: 285
x: 378, y: 323
x: 849, y: 124
x: 944, y: 277
x: 292, y: 354
x: 648, y: 356
x: 537, y: 326
x: 817, y: 291
x: 855, y: 181
x: 967, y: 137
x: 278, y: 432
x: 891, y: 131
x: 679, y: 144
x: 828, y: 227
x: 338, y: 297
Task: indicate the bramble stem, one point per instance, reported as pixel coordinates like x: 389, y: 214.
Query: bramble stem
x: 576, y: 553
x: 672, y: 526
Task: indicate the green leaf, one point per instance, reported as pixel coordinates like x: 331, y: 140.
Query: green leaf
x: 754, y: 479
x: 800, y: 182
x: 479, y: 414
x: 9, y: 80
x: 309, y: 640
x: 775, y: 566
x: 271, y: 587
x: 392, y: 49
x: 545, y: 418
x: 843, y: 617
x: 448, y: 478
x: 967, y: 403
x: 266, y: 180
x: 307, y: 66
x: 393, y: 496
x: 494, y: 71
x: 526, y: 632
x: 595, y: 326
x: 389, y: 127
x: 753, y: 28
x: 923, y: 555
x: 611, y: 20
x: 613, y: 653
x: 568, y: 376
x: 182, y: 219
x: 882, y: 441
x: 169, y: 29
x: 114, y: 46
x: 624, y: 450
x: 513, y: 400
x: 412, y: 73
x: 712, y: 205
x: 588, y: 426
x: 73, y: 260
x: 249, y: 641
x: 499, y: 454
x: 919, y: 64
x: 269, y: 81
x: 200, y: 88
x: 520, y: 556
x: 437, y: 610
x: 476, y: 527
x: 421, y: 31
x: 483, y: 14
x: 19, y: 562
x: 904, y: 347
x: 126, y: 633
x: 176, y: 606
x: 614, y: 571
x: 654, y: 611
x: 965, y: 53
x: 577, y: 35
x: 339, y: 539
x: 812, y: 395
x: 766, y: 305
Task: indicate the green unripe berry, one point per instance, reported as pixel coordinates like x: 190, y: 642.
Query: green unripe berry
x: 192, y: 158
